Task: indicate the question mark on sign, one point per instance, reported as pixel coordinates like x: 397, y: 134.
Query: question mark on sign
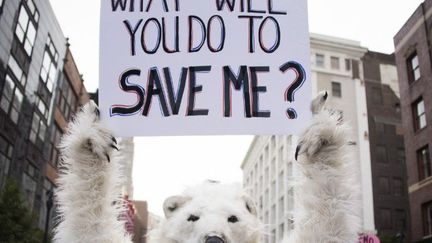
x: 295, y: 86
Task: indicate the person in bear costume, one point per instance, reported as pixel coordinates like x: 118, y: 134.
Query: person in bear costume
x: 327, y: 208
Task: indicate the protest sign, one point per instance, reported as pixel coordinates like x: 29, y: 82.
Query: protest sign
x: 368, y: 238
x: 193, y: 67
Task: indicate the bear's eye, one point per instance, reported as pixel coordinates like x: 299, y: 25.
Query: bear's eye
x: 233, y: 219
x: 193, y: 218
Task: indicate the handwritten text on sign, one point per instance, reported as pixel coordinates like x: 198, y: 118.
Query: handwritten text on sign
x: 171, y: 67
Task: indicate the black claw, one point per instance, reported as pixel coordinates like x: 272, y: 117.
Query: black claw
x: 297, y: 151
x: 114, y: 140
x: 325, y: 95
x: 114, y: 147
x: 108, y: 158
x: 97, y: 112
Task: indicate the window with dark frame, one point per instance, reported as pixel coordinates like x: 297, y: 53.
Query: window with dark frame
x: 38, y: 129
x: 11, y: 99
x: 398, y: 187
x: 427, y: 218
x: 424, y: 163
x: 6, y: 151
x: 347, y: 65
x: 26, y: 27
x: 400, y: 220
x: 47, y: 186
x: 49, y: 65
x: 335, y: 63
x: 12, y: 93
x: 384, y: 185
x: 29, y: 183
x: 385, y: 216
x: 1, y: 7
x: 419, y: 114
x: 56, y: 134
x: 319, y: 60
x: 413, y: 67
x: 376, y: 95
x: 381, y: 154
x: 379, y: 127
x: 336, y: 89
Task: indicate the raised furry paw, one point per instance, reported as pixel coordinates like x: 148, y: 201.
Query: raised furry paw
x: 324, y: 135
x: 87, y: 135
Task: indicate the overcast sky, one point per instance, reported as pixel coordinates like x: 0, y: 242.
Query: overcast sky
x: 163, y: 166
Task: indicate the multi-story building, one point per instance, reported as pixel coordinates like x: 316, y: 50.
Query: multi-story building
x: 414, y: 64
x: 40, y: 89
x: 267, y: 169
x: 389, y: 177
x: 336, y: 67
x: 141, y: 221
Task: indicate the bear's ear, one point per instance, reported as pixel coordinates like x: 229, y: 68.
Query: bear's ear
x: 171, y: 204
x: 250, y: 205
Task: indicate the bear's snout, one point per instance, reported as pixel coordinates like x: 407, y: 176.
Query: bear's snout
x: 214, y: 239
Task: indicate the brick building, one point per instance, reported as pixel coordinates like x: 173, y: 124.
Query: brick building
x: 413, y: 60
x: 40, y: 89
x: 389, y: 178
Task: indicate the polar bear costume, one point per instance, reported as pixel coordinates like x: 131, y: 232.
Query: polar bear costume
x: 327, y: 198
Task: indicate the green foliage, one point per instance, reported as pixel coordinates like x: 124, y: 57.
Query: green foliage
x: 17, y: 224
x: 386, y: 239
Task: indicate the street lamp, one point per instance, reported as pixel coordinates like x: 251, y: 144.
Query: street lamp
x: 49, y: 204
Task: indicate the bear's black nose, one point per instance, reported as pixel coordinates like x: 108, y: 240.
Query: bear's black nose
x: 214, y: 239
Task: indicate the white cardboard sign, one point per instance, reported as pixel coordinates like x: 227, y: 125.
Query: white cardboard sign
x: 194, y: 67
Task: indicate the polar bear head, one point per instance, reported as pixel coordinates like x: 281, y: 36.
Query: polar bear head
x: 210, y: 213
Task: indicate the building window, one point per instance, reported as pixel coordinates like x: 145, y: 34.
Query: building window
x: 290, y: 200
x: 401, y: 156
x: 347, y: 65
x: 6, y: 151
x: 42, y: 108
x: 419, y: 114
x: 336, y: 89
x: 398, y: 187
x: 49, y: 65
x: 55, y: 140
x: 400, y: 220
x: 281, y: 182
x: 427, y: 218
x: 27, y: 25
x: 11, y: 99
x: 281, y: 231
x: 379, y: 127
x: 381, y: 154
x: 424, y: 163
x: 335, y: 64
x: 12, y: 95
x: 376, y: 95
x: 384, y: 185
x: 413, y: 68
x: 29, y: 179
x: 281, y: 207
x: 17, y: 71
x: 273, y: 142
x: 38, y: 128
x: 48, y: 188
x: 319, y: 60
x: 385, y: 216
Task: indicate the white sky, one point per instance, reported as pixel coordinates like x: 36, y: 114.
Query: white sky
x: 163, y: 166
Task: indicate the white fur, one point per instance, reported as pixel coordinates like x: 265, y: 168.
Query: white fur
x: 327, y: 207
x: 213, y: 203
x: 326, y: 193
x: 88, y: 184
